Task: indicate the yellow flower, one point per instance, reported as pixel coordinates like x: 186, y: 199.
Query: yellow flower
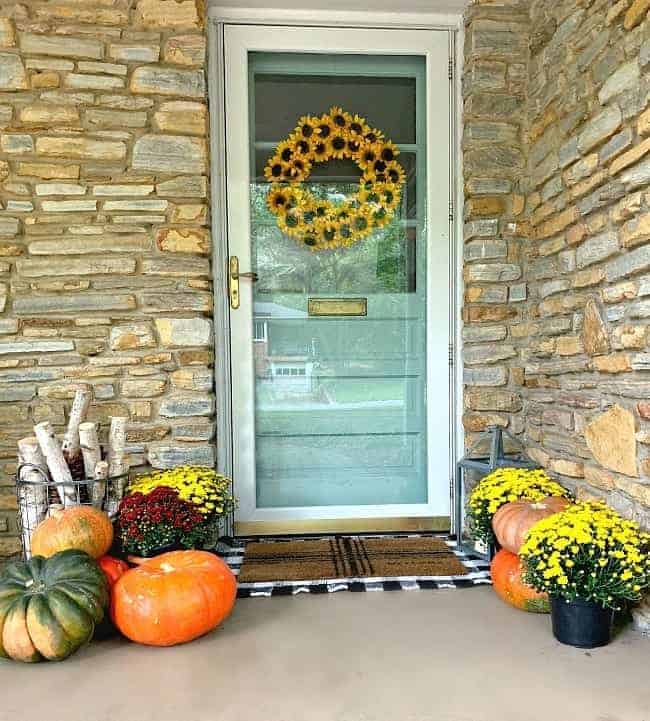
x: 358, y: 127
x: 338, y: 145
x: 284, y: 151
x: 322, y: 149
x: 324, y: 127
x: 369, y: 155
x: 278, y: 199
x: 502, y: 486
x: 275, y: 169
x: 591, y: 553
x: 328, y: 233
x: 340, y: 119
x: 306, y: 127
x: 196, y: 484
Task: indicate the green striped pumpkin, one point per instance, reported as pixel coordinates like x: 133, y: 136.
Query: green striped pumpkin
x: 49, y: 606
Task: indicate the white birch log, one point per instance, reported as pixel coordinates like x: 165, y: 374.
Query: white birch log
x: 92, y: 454
x: 117, y: 446
x: 71, y: 445
x: 32, y: 493
x: 56, y: 463
x: 90, y: 448
x: 117, y: 461
x: 100, y: 474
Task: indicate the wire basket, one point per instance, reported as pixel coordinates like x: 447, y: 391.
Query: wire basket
x: 38, y: 497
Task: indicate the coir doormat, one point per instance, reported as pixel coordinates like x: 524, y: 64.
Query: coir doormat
x: 269, y: 567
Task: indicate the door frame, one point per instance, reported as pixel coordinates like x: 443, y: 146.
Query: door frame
x: 217, y: 19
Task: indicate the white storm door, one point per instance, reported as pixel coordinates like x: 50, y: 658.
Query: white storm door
x: 340, y: 416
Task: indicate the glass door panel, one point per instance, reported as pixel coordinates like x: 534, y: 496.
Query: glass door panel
x: 340, y: 401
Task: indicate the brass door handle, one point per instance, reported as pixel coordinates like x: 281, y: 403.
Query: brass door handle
x: 233, y: 280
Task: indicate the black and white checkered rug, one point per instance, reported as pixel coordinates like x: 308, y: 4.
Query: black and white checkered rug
x: 478, y: 574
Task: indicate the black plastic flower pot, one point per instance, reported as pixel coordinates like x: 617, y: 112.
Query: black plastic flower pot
x: 579, y: 623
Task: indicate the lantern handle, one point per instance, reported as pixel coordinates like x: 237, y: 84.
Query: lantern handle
x: 495, y: 434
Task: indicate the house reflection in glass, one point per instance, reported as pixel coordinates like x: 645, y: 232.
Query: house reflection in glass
x: 284, y: 368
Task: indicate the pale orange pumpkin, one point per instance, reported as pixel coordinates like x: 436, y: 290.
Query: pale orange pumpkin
x: 506, y: 574
x: 512, y: 521
x: 173, y: 598
x: 82, y: 527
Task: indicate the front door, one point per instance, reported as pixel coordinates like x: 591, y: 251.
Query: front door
x: 340, y: 289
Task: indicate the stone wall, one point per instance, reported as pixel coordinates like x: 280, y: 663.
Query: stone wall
x: 494, y: 158
x: 556, y: 152
x: 587, y: 396
x: 104, y: 240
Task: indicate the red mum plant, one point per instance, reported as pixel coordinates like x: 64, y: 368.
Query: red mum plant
x: 160, y: 520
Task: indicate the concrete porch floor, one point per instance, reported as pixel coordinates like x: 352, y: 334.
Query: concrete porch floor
x: 458, y: 655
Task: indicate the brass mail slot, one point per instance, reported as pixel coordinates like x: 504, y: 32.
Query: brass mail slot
x: 337, y: 306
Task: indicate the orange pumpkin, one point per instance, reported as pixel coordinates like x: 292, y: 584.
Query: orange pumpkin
x: 114, y: 568
x: 173, y: 598
x: 512, y: 521
x: 82, y: 527
x: 510, y: 587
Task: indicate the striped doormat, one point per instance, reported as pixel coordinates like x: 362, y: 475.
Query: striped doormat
x: 270, y: 567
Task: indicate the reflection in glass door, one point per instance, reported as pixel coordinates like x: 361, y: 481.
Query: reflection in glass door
x: 338, y: 338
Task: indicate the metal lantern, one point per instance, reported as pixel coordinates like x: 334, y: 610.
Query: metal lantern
x: 470, y: 470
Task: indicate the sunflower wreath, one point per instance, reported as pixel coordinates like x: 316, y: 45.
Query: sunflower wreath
x: 321, y: 224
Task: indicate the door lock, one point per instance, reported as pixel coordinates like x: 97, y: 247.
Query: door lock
x: 233, y: 280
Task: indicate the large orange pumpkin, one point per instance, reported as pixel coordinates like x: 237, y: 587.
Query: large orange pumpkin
x: 509, y: 585
x: 82, y: 527
x: 512, y: 521
x: 173, y: 598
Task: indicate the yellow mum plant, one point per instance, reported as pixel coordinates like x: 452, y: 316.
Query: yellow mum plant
x: 208, y: 490
x: 503, y: 486
x: 588, y: 552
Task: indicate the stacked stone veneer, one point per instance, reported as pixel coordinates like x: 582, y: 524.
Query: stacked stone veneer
x: 587, y: 265
x: 494, y: 158
x: 557, y: 238
x: 104, y: 241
